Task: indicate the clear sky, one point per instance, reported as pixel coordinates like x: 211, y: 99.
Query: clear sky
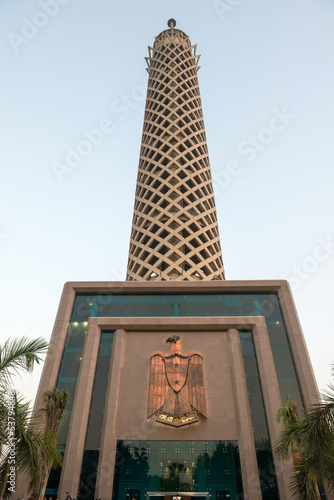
x: 267, y: 87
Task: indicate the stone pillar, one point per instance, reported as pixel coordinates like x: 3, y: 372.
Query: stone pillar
x: 272, y: 402
x: 248, y: 461
x: 75, y: 444
x: 106, y: 467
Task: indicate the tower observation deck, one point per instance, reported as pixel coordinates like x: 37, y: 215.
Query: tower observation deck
x: 174, y: 229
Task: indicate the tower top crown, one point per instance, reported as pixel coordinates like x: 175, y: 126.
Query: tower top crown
x: 171, y: 23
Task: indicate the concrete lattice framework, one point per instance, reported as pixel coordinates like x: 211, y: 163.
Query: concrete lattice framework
x: 174, y: 230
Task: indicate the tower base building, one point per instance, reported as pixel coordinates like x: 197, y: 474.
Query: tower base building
x: 176, y: 375
x: 243, y: 352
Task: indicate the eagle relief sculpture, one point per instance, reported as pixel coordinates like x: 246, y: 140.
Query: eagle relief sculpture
x: 176, y: 394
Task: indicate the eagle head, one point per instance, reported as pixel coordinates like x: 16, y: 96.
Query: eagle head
x: 173, y: 339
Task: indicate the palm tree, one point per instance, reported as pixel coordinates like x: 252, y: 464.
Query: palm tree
x: 52, y: 413
x: 16, y: 355
x: 313, y: 436
x: 29, y: 441
x: 178, y: 474
x: 288, y: 416
x: 19, y: 354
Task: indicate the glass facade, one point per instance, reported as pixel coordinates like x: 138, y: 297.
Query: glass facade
x: 126, y: 305
x: 68, y: 374
x: 187, y: 305
x: 95, y: 422
x: 177, y: 466
x: 263, y: 449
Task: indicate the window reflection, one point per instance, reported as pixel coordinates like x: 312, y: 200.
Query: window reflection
x: 230, y: 304
x: 177, y: 466
x: 95, y: 422
x: 258, y: 415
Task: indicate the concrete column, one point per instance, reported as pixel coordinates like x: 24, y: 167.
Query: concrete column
x: 106, y: 467
x: 75, y: 444
x: 248, y: 461
x: 272, y: 402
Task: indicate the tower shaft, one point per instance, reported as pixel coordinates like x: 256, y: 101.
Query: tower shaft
x: 174, y: 229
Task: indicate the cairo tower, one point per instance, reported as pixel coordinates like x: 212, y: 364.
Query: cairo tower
x: 176, y: 374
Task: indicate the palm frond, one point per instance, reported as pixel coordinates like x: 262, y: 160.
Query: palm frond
x: 53, y: 410
x: 304, y: 484
x: 19, y: 354
x: 288, y: 438
x: 313, y: 436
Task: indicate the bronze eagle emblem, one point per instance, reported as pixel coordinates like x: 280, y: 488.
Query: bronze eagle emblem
x: 176, y: 393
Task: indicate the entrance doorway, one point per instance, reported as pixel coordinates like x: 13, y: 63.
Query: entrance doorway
x: 162, y: 470
x: 177, y: 495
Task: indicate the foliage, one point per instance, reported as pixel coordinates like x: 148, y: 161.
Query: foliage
x: 29, y: 441
x: 288, y: 414
x: 51, y: 415
x: 19, y: 354
x: 313, y: 436
x: 24, y: 429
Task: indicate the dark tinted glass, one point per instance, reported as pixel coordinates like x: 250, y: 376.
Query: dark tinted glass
x: 233, y: 304
x: 95, y: 422
x: 177, y: 466
x: 261, y: 435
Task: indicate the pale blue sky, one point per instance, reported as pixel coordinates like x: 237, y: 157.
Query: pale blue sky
x: 260, y: 60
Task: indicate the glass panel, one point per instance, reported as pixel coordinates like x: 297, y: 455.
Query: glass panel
x: 176, y: 466
x: 82, y: 309
x: 95, y: 422
x: 53, y: 481
x: 134, y: 305
x: 71, y: 363
x: 283, y: 361
x: 261, y: 435
x: 69, y: 368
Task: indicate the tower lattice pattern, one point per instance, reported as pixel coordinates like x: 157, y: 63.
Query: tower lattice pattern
x: 174, y: 230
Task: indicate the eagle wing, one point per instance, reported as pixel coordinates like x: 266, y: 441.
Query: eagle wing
x: 158, y: 385
x: 195, y: 384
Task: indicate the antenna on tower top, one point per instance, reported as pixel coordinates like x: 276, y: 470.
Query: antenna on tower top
x: 171, y: 23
